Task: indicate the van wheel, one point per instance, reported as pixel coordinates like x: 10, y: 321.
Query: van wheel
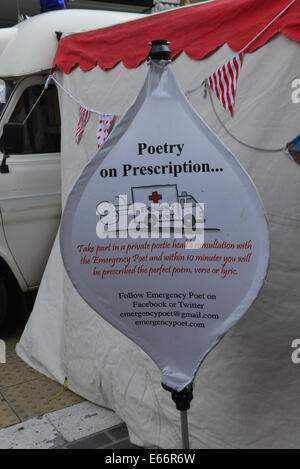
x: 3, y: 300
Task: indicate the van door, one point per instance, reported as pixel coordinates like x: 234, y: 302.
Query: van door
x: 30, y: 200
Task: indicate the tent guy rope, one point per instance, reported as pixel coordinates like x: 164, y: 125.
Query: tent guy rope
x: 235, y: 138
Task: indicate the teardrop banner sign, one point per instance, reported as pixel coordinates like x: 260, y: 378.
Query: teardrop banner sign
x: 164, y: 234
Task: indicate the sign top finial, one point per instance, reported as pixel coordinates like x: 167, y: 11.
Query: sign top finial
x: 159, y: 50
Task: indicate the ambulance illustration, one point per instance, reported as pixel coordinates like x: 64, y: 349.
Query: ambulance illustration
x: 156, y: 204
x: 165, y: 196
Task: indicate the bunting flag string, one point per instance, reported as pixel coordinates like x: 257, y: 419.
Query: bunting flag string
x: 105, y: 123
x: 107, y: 120
x: 223, y: 82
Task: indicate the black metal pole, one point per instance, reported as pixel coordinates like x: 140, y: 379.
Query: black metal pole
x: 160, y: 51
x: 182, y: 400
x: 184, y: 429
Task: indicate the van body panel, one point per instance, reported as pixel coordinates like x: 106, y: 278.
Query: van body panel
x: 30, y: 46
x: 30, y: 192
x: 30, y: 197
x: 8, y: 260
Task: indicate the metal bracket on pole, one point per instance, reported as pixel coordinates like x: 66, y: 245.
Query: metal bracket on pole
x: 159, y: 50
x: 182, y: 400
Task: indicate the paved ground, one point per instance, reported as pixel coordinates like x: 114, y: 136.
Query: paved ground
x: 82, y: 426
x: 35, y: 415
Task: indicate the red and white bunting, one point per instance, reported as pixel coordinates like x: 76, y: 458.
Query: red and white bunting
x: 223, y: 82
x: 105, y: 125
x: 84, y: 115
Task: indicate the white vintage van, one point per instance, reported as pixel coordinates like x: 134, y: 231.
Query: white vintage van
x: 30, y: 199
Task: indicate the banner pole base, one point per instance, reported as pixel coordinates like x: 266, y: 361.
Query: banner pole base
x: 182, y: 400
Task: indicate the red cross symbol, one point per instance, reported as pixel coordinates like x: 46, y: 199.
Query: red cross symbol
x: 155, y: 197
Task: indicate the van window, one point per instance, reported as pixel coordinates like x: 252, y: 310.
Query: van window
x: 10, y: 86
x: 42, y: 129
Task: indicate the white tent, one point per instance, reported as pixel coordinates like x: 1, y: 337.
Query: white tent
x: 245, y: 393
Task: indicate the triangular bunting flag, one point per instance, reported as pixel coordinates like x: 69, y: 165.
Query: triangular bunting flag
x: 105, y: 125
x: 293, y: 148
x: 84, y: 115
x: 223, y: 82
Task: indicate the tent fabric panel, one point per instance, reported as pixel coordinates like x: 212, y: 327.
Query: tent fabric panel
x: 245, y: 393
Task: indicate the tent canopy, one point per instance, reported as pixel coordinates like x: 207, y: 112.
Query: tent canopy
x: 197, y: 30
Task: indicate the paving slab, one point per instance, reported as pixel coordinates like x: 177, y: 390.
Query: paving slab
x: 7, y: 416
x: 36, y: 433
x: 81, y: 420
x: 32, y: 398
x: 80, y: 426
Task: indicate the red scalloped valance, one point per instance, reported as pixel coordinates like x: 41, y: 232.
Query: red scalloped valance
x: 197, y: 30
